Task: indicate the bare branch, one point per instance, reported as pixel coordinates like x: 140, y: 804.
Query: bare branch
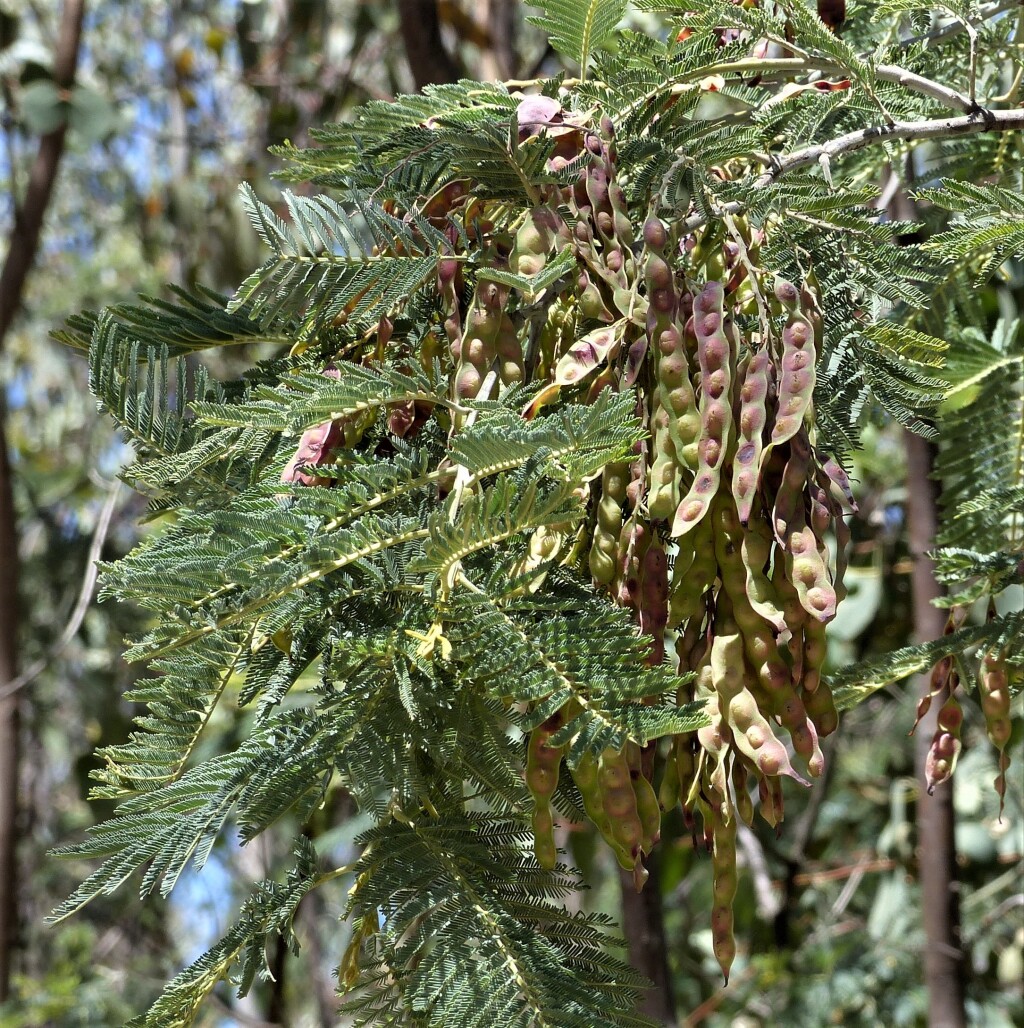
x: 907, y: 131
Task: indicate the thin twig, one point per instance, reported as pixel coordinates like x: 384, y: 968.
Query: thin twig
x: 938, y: 128
x: 99, y: 537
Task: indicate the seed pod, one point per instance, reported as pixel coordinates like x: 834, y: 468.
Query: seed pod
x: 744, y: 804
x: 714, y: 352
x: 542, y: 765
x: 510, y: 353
x: 604, y: 549
x: 939, y: 678
x: 808, y: 572
x: 755, y: 552
x: 994, y: 692
x: 715, y: 739
x: 723, y: 863
x: 686, y: 594
x: 946, y: 744
x: 647, y: 807
x: 789, y: 494
x: 619, y: 801
x: 796, y: 383
x: 585, y: 355
x: 653, y: 609
x: 586, y: 779
x: 815, y: 652
x: 668, y: 790
x: 318, y: 446
x: 634, y: 539
x: 771, y: 802
x: 794, y: 614
x: 753, y: 416
x: 821, y: 709
x: 838, y: 477
x: 663, y: 490
x: 534, y: 241
x: 751, y: 732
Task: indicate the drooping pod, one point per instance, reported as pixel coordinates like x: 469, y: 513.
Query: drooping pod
x: 744, y: 804
x: 542, y: 765
x: 725, y: 878
x: 821, y: 709
x: 751, y: 732
x: 994, y: 692
x: 796, y: 381
x: 605, y: 546
x: 714, y: 352
x: 756, y: 552
x: 653, y: 608
x: 808, y: 572
x: 620, y: 807
x: 663, y: 490
x: 690, y: 583
x: 478, y: 348
x: 946, y: 745
x: 585, y: 775
x: 634, y: 539
x: 668, y: 789
x: 535, y: 240
x: 753, y: 416
x: 647, y: 807
x: 940, y: 676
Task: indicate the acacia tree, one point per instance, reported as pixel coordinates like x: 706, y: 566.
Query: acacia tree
x: 546, y: 473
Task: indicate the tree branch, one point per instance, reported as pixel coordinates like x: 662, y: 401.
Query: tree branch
x: 824, y: 153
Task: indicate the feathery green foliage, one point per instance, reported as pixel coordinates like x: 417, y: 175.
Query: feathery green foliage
x: 382, y: 544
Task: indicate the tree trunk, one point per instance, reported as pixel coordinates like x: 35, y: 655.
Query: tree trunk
x: 936, y: 850
x: 428, y: 58
x: 643, y: 925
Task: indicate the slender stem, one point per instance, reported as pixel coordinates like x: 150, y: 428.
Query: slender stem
x: 938, y: 128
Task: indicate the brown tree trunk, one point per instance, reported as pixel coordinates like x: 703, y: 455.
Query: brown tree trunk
x: 24, y: 242
x: 643, y: 925
x: 936, y: 850
x: 429, y: 59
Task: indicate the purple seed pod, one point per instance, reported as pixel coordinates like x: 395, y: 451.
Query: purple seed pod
x: 586, y: 354
x: 753, y: 416
x: 808, y: 571
x: 946, y: 745
x: 653, y: 608
x: 838, y: 477
x: 796, y: 383
x: 714, y: 353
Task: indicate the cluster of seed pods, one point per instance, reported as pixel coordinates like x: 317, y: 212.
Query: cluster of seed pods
x: 716, y: 531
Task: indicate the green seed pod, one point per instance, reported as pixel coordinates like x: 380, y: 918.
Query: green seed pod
x: 715, y: 354
x: 609, y: 522
x: 723, y: 863
x: 647, y: 806
x: 946, y: 745
x: 994, y: 692
x: 668, y: 790
x: 815, y: 652
x: 542, y: 765
x: 619, y: 801
x: 544, y: 848
x: 753, y: 416
x: 821, y: 709
x: 751, y: 732
x: 686, y: 595
x: 663, y: 489
x: 740, y: 788
x: 796, y: 383
x: 755, y: 552
x: 511, y: 368
x: 535, y: 240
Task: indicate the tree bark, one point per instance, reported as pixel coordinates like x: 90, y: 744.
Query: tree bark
x: 23, y: 245
x: 429, y: 59
x: 643, y: 925
x: 936, y: 849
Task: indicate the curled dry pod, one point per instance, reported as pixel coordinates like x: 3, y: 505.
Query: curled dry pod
x: 946, y: 745
x: 994, y: 692
x: 714, y: 352
x: 940, y: 676
x: 753, y: 416
x: 605, y: 546
x: 619, y: 801
x: 725, y: 877
x: 796, y: 383
x: 741, y: 791
x: 751, y: 731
